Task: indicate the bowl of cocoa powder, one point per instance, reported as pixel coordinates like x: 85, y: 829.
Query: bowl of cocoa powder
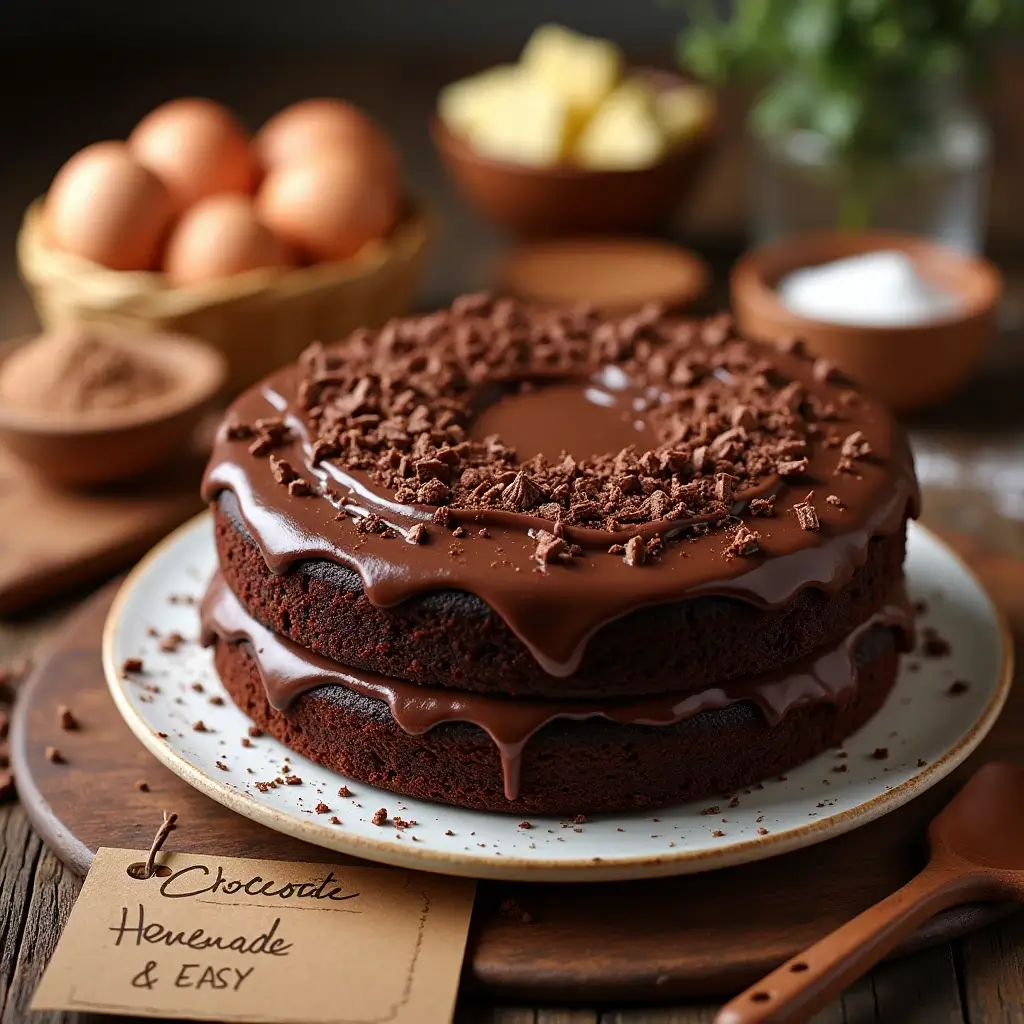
x: 81, y: 406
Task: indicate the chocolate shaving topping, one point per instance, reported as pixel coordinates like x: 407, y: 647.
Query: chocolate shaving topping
x: 724, y: 486
x: 398, y: 404
x: 433, y: 492
x: 934, y: 645
x: 551, y: 548
x: 299, y: 488
x: 521, y: 494
x: 855, y: 446
x: 270, y: 433
x: 282, y: 470
x: 806, y: 515
x: 791, y: 467
x: 635, y: 552
x: 744, y: 542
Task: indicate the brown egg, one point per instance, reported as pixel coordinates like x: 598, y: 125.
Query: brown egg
x: 327, y: 206
x: 219, y: 237
x: 105, y: 206
x: 314, y: 125
x: 197, y: 148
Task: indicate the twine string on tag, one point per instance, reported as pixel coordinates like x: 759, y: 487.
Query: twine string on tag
x: 148, y: 869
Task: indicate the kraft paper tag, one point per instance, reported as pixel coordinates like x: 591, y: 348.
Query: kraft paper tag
x: 228, y: 939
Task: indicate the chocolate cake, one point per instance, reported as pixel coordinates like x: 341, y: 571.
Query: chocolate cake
x: 549, y: 561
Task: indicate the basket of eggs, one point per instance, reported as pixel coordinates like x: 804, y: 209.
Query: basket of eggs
x: 258, y: 245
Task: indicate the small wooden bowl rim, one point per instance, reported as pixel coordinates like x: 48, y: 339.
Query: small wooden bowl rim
x: 695, y: 274
x: 756, y: 274
x: 457, y: 147
x: 199, y: 371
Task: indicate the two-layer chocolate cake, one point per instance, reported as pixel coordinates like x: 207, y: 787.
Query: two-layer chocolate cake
x: 549, y: 561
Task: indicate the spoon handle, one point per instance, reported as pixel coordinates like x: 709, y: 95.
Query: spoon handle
x: 803, y: 985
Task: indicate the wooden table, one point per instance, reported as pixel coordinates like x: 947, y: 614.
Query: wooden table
x: 979, y: 979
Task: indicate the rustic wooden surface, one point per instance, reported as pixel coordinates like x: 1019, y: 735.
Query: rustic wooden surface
x: 694, y: 935
x: 45, y: 117
x: 65, y: 540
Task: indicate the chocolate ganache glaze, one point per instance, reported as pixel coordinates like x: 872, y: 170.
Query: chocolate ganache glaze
x: 564, y: 467
x: 288, y: 671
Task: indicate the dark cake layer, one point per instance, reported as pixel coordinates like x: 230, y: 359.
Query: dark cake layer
x: 453, y: 638
x: 569, y: 767
x: 352, y: 721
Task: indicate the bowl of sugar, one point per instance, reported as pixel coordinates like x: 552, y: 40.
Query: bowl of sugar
x: 907, y: 317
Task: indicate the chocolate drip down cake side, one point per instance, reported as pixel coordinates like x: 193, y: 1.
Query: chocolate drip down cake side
x: 553, y: 562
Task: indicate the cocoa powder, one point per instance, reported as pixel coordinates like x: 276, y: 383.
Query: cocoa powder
x: 74, y: 371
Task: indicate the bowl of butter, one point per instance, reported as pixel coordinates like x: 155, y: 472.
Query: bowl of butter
x: 570, y: 139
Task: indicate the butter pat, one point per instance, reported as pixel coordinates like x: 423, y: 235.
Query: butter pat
x: 465, y: 105
x: 506, y: 114
x: 581, y: 68
x: 683, y: 112
x: 624, y: 132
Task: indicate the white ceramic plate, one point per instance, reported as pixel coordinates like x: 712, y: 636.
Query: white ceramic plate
x: 926, y: 730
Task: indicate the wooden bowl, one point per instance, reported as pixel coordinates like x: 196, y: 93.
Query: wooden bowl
x: 545, y: 202
x: 907, y: 366
x: 81, y: 450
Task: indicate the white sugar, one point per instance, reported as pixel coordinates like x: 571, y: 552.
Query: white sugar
x: 878, y: 289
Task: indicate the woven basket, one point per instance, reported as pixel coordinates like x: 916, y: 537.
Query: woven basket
x: 259, y: 320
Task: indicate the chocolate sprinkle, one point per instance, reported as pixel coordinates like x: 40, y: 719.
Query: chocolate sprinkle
x: 551, y: 549
x: 635, y: 552
x: 806, y: 515
x: 744, y: 542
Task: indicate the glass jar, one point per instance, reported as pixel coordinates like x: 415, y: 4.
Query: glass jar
x: 927, y: 173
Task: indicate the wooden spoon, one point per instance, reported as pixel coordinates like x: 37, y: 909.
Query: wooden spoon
x: 977, y: 853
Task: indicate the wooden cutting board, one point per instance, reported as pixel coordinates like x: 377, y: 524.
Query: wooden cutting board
x: 703, y: 934
x: 53, y: 541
